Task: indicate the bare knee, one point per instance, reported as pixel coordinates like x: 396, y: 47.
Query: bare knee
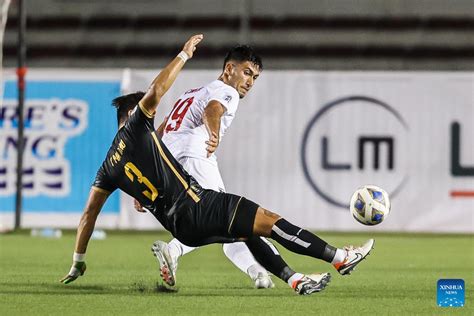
x: 264, y: 221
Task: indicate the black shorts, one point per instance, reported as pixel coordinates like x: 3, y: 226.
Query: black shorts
x: 217, y: 218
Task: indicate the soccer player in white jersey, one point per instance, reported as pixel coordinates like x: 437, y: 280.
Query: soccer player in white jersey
x: 192, y: 132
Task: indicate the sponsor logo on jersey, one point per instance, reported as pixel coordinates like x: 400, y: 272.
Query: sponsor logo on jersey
x: 193, y: 90
x: 228, y: 98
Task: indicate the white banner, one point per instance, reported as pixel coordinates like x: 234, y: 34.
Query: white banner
x: 302, y: 142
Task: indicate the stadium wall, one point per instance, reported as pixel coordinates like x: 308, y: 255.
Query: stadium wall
x: 301, y: 143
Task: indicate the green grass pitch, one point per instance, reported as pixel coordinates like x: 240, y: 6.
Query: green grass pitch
x: 399, y: 277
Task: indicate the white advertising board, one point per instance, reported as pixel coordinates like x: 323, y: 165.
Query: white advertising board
x: 302, y: 142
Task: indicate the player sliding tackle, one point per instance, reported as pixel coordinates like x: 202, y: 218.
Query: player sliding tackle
x: 192, y: 132
x: 139, y: 164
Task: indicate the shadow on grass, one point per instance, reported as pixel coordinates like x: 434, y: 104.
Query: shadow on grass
x: 136, y: 288
x: 50, y: 288
x: 142, y: 287
x: 58, y: 288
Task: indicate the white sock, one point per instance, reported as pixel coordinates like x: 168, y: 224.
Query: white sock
x: 78, y: 257
x: 339, y: 256
x: 254, y: 270
x: 293, y: 278
x: 177, y: 249
x: 240, y: 255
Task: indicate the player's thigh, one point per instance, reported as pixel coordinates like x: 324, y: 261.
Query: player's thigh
x: 247, y: 218
x: 207, y: 221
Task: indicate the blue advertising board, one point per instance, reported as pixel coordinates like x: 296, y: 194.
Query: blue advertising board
x: 68, y: 128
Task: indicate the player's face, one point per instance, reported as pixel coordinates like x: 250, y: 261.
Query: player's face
x: 242, y: 76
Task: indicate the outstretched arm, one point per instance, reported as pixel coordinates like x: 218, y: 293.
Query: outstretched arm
x: 167, y: 76
x: 86, y: 225
x: 84, y: 231
x: 212, y: 120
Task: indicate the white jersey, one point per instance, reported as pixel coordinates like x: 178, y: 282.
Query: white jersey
x: 184, y: 133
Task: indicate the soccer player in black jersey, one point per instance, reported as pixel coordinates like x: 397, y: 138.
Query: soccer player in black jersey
x: 139, y: 164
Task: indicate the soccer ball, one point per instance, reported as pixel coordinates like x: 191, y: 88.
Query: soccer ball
x: 370, y: 205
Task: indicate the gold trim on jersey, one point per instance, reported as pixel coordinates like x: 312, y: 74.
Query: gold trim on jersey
x: 145, y: 111
x: 100, y: 190
x: 233, y: 216
x: 177, y: 174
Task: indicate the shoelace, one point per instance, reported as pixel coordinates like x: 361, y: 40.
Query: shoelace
x: 351, y: 247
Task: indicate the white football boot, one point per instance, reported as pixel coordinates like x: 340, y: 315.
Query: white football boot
x: 263, y: 281
x: 311, y: 283
x: 168, y: 264
x: 354, y: 256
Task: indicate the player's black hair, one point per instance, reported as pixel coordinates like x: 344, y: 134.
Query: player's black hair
x: 125, y: 103
x: 242, y: 53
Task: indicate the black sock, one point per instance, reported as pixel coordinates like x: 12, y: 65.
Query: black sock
x: 301, y: 241
x: 268, y: 256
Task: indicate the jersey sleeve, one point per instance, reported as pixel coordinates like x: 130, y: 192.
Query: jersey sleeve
x: 228, y: 97
x: 103, y: 181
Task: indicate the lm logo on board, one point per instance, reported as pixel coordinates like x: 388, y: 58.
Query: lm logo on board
x: 353, y: 140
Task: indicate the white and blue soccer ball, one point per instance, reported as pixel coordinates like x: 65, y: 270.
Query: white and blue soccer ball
x: 370, y: 205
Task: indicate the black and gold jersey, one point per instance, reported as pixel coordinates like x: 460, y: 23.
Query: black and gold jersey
x: 139, y: 164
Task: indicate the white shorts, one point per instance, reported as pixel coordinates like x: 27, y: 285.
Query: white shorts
x: 207, y: 174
